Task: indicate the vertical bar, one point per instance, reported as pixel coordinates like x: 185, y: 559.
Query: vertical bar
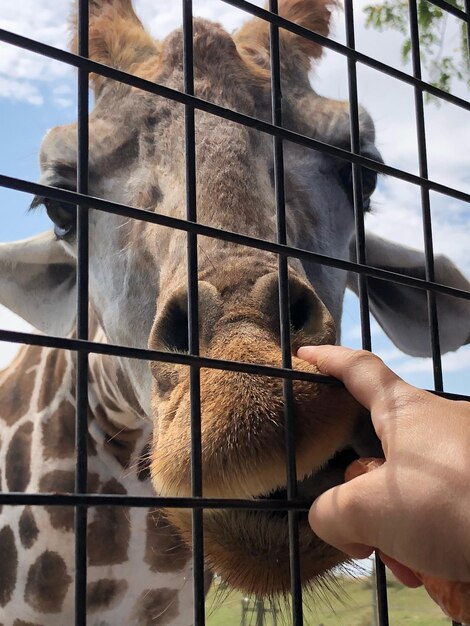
x: 193, y: 319
x: 380, y: 576
x: 81, y: 425
x: 284, y: 313
x: 357, y: 179
x: 467, y: 24
x: 425, y: 203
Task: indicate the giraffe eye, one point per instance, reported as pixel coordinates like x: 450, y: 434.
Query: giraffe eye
x: 64, y: 217
x: 369, y: 182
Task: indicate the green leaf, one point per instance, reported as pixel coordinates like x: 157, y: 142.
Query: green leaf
x: 432, y: 23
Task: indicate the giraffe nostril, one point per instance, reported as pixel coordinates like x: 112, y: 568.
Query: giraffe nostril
x: 170, y: 328
x: 173, y: 327
x: 308, y: 314
x: 301, y: 309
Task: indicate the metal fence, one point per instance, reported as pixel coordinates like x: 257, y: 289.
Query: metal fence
x: 81, y: 500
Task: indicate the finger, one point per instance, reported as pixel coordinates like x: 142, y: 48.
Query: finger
x: 364, y: 374
x: 350, y: 516
x: 404, y: 574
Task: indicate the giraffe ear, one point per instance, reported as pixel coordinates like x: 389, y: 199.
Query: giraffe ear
x: 37, y: 282
x: 116, y: 37
x: 296, y: 52
x: 402, y: 311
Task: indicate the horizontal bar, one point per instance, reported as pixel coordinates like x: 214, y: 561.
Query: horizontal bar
x: 351, y: 53
x: 449, y: 8
x: 168, y: 502
x: 209, y: 107
x: 450, y: 396
x: 73, y: 197
x: 143, y: 354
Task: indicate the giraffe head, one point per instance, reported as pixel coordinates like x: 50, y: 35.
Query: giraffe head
x: 138, y: 277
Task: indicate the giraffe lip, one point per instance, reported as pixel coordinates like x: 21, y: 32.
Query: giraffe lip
x: 313, y: 485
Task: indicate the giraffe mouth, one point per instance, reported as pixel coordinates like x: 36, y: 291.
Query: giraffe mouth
x: 250, y: 549
x: 316, y: 483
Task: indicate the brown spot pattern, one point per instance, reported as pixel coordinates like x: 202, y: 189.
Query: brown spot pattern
x: 109, y: 533
x: 8, y: 570
x: 105, y: 594
x: 28, y: 528
x: 58, y: 432
x: 47, y: 583
x: 19, y: 622
x: 60, y: 481
x: 165, y: 550
x: 54, y: 371
x: 17, y: 388
x: 18, y: 458
x: 157, y: 607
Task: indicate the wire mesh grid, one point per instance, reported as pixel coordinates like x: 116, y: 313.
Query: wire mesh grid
x: 81, y: 499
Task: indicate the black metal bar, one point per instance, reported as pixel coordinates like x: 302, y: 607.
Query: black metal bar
x: 143, y: 354
x: 284, y: 317
x: 330, y: 44
x: 360, y: 234
x: 380, y: 575
x: 433, y: 321
x: 81, y: 415
x: 209, y: 107
x: 81, y: 500
x: 311, y: 143
x: 425, y: 201
x: 193, y: 319
x: 467, y: 23
x: 169, y: 502
x: 92, y: 347
x: 225, y: 235
x: 103, y: 70
x: 449, y: 8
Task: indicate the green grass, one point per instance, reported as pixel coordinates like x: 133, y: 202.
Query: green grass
x: 350, y: 604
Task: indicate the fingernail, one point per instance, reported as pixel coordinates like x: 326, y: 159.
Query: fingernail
x: 304, y: 350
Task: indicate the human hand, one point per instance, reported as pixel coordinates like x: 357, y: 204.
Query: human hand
x: 452, y: 596
x: 415, y: 508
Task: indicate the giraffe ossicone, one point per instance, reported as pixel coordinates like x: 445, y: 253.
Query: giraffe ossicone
x: 139, y: 561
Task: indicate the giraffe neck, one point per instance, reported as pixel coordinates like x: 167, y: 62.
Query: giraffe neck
x: 137, y: 564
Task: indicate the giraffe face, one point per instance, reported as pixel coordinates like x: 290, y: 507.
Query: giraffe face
x: 138, y: 285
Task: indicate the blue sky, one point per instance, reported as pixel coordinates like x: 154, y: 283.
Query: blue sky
x: 36, y: 94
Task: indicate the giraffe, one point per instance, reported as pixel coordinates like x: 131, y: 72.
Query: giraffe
x: 138, y: 433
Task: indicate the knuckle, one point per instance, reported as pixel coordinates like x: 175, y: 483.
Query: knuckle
x: 359, y: 358
x: 404, y: 397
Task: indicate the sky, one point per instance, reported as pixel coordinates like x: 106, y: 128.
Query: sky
x: 37, y: 93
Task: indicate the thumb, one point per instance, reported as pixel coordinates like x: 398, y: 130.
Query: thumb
x: 349, y: 516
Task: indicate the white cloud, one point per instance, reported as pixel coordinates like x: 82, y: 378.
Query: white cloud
x: 397, y: 216
x: 162, y: 20
x: 354, y: 333
x: 23, y: 73
x: 17, y: 90
x: 451, y: 362
x: 26, y: 76
x: 63, y: 95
